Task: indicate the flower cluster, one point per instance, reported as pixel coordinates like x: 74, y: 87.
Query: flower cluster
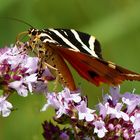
x: 18, y: 73
x: 118, y: 116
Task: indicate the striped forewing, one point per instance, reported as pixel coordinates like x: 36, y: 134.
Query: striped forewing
x: 72, y: 39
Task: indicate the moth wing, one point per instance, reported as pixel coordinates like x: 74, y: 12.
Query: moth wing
x: 96, y: 70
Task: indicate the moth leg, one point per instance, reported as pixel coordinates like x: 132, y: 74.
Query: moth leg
x: 56, y: 82
x: 50, y: 67
x: 41, y: 67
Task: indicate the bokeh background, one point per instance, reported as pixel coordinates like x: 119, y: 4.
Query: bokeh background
x: 115, y: 23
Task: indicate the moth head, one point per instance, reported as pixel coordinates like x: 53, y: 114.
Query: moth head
x: 33, y: 32
x: 33, y: 37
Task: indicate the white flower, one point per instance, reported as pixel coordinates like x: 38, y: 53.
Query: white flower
x: 136, y: 121
x: 84, y: 112
x: 116, y: 112
x: 55, y: 100
x: 100, y: 128
x: 136, y: 124
x: 61, y: 101
x: 115, y: 94
x: 51, y: 101
x: 29, y: 80
x: 19, y: 87
x: 131, y: 100
x: 14, y: 57
x: 5, y: 107
x: 103, y: 109
x: 31, y: 63
x: 62, y: 110
x: 68, y: 96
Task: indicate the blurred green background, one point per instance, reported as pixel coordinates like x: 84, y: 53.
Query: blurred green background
x: 115, y: 23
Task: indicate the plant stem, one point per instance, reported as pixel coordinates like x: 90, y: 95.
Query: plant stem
x: 75, y: 131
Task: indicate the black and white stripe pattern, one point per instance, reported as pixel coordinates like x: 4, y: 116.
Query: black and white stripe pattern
x: 72, y: 39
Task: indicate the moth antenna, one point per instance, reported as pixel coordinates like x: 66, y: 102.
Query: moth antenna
x: 20, y: 34
x: 19, y: 20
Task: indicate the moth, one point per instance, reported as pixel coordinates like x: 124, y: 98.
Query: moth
x: 82, y: 51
